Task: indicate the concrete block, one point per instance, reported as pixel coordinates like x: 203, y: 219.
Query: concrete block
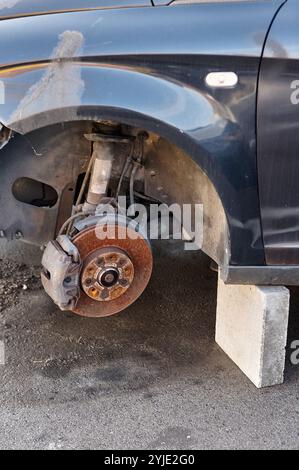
x: 251, y: 328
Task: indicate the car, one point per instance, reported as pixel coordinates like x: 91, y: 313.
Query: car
x: 160, y: 103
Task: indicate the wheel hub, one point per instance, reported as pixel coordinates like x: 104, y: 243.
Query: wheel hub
x: 107, y: 274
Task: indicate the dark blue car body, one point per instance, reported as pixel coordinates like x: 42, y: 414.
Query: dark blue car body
x: 145, y: 64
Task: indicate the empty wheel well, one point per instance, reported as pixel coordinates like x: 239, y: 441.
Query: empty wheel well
x: 56, y: 158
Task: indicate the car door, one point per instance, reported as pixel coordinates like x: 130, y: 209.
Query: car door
x: 278, y: 138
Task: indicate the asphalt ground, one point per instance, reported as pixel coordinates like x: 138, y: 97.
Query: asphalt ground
x: 151, y: 377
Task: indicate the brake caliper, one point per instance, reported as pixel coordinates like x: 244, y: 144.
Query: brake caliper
x: 61, y: 266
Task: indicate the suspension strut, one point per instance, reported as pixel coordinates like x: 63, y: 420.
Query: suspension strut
x: 89, y: 275
x: 102, y: 158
